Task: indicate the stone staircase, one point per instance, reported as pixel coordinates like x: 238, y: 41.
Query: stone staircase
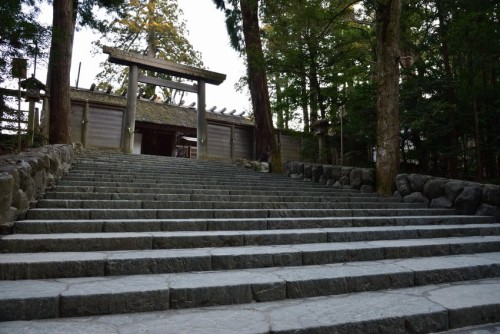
x: 144, y: 244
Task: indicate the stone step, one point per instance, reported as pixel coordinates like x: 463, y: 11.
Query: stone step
x: 50, y: 213
x: 21, y: 266
x: 355, y: 197
x: 145, y: 204
x: 159, y: 169
x: 200, y: 188
x: 98, y: 241
x: 156, y: 225
x: 38, y: 299
x: 420, y: 309
x: 233, y: 182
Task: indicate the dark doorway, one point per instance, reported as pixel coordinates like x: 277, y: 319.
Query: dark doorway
x: 156, y: 142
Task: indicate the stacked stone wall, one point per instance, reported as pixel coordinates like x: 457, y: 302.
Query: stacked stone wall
x: 467, y: 198
x: 362, y: 179
x: 24, y: 177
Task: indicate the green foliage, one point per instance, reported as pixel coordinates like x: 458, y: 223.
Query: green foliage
x: 21, y: 36
x: 309, y: 151
x: 150, y: 27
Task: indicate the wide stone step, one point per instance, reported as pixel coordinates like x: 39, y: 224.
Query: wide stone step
x: 37, y: 214
x: 421, y: 309
x: 16, y: 266
x: 145, y: 204
x: 177, y: 180
x: 156, y: 225
x: 207, y: 189
x: 38, y: 299
x: 79, y: 176
x: 355, y: 197
x: 195, y: 239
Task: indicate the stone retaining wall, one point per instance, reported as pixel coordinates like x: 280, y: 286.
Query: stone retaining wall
x: 25, y: 176
x: 467, y: 198
x: 362, y: 179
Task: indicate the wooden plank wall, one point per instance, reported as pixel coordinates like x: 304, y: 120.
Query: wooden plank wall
x: 104, y: 126
x: 219, y: 141
x: 225, y: 142
x: 290, y: 147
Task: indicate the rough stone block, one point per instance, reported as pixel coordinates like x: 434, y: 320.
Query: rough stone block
x: 453, y: 188
x: 316, y: 172
x: 468, y: 201
x: 491, y: 195
x: 488, y: 210
x: 417, y: 182
x: 403, y: 185
x: 415, y: 198
x: 327, y: 172
x: 356, y: 178
x: 366, y: 188
x: 308, y: 171
x: 336, y: 173
x: 441, y: 202
x: 434, y: 188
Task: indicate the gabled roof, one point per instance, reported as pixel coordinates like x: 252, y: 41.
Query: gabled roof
x: 157, y: 113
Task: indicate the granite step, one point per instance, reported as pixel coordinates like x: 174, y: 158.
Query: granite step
x: 157, y: 225
x: 68, y: 242
x: 51, y: 213
x: 202, y: 194
x: 421, y: 309
x: 22, y: 266
x: 254, y: 189
x: 213, y: 248
x: 72, y: 297
x: 356, y: 197
x: 179, y: 204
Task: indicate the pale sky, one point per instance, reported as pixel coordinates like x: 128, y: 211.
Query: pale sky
x: 207, y: 34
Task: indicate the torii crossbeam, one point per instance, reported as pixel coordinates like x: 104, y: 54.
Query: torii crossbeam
x: 137, y: 61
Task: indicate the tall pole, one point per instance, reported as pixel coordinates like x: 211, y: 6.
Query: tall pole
x: 19, y: 115
x: 129, y: 124
x: 202, y: 149
x: 341, y: 136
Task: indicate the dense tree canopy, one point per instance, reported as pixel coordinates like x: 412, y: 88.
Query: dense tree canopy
x: 21, y: 36
x: 150, y: 27
x: 322, y: 60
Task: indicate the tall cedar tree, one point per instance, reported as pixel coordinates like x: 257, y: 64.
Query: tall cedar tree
x: 388, y: 13
x: 65, y: 14
x: 63, y: 29
x: 266, y: 144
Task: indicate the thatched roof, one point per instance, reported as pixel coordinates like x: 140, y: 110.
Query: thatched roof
x: 157, y: 113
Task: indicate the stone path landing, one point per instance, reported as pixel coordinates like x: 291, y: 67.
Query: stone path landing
x: 133, y: 244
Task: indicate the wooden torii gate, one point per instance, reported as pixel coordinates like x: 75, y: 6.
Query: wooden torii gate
x: 137, y: 61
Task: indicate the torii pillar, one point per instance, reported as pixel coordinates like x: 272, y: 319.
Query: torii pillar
x: 137, y: 61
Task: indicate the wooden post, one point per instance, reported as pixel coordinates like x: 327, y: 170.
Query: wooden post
x: 129, y: 124
x: 45, y: 118
x: 202, y: 149
x: 31, y: 121
x: 231, y: 143
x: 85, y: 121
x: 36, y: 125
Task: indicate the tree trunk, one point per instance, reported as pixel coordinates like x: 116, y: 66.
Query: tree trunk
x: 279, y: 104
x: 267, y: 146
x: 151, y: 39
x: 63, y: 29
x: 388, y: 13
x: 304, y: 101
x: 452, y: 158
